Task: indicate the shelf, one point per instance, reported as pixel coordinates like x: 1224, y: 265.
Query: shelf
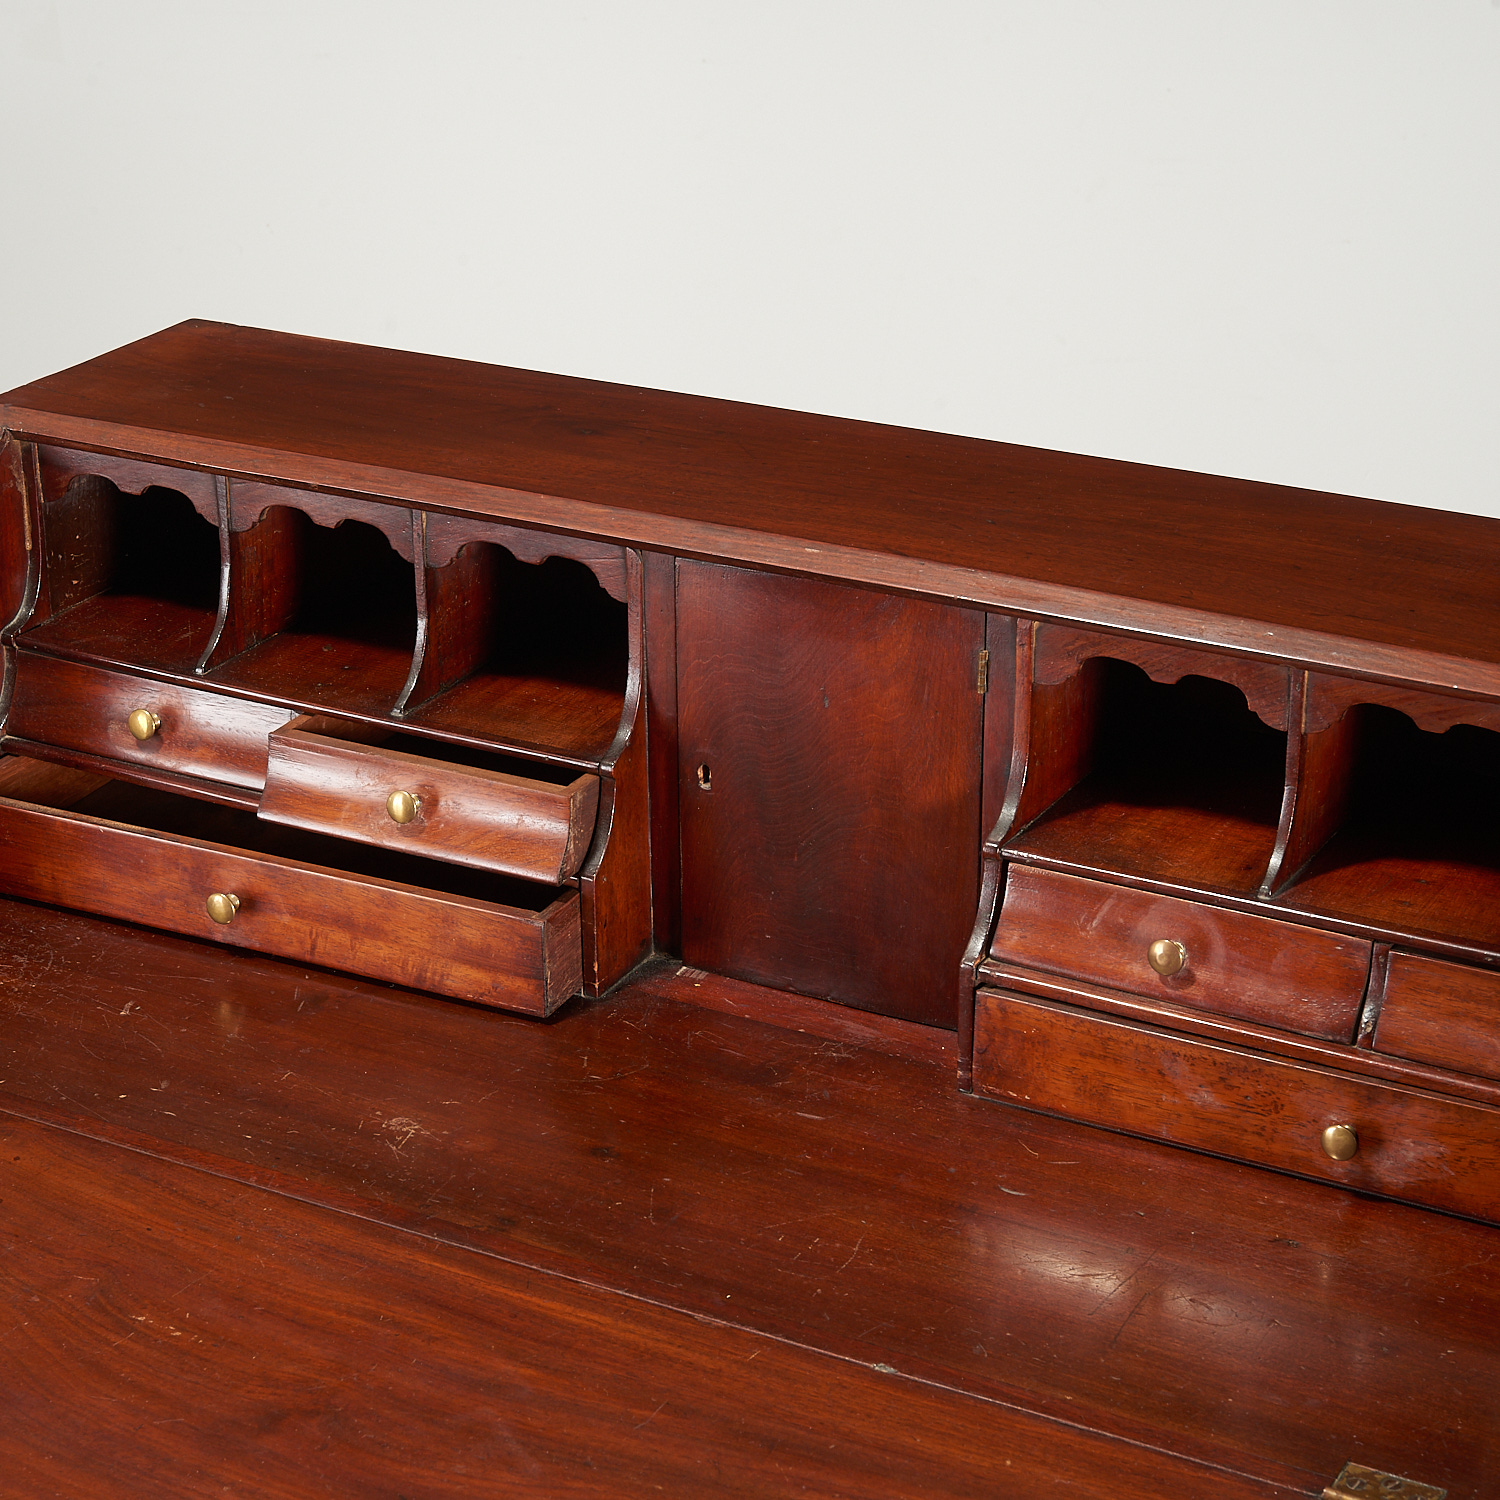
x: 134, y: 579
x: 1185, y: 786
x: 1418, y: 847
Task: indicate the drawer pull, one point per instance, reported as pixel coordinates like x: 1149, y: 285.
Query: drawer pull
x: 403, y: 806
x: 1167, y: 957
x: 1340, y: 1142
x: 143, y: 724
x: 222, y: 906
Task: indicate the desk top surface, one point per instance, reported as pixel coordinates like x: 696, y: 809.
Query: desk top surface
x: 1330, y: 580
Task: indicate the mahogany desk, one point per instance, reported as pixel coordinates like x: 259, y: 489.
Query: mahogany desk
x: 1160, y: 801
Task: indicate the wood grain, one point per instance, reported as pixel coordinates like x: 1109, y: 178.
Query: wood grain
x: 16, y: 542
x: 1261, y: 970
x: 61, y: 466
x: 490, y: 819
x: 836, y: 850
x: 840, y: 1193
x: 1441, y: 1013
x: 1018, y: 529
x: 1427, y: 1148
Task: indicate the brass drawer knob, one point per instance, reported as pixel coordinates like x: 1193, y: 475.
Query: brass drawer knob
x: 222, y: 906
x: 143, y: 723
x: 403, y: 806
x: 1340, y: 1142
x: 1167, y: 956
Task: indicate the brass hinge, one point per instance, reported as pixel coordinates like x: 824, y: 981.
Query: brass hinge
x: 983, y: 685
x: 1356, y: 1482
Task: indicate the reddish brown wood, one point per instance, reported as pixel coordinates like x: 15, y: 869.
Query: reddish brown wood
x: 830, y: 748
x: 225, y: 793
x: 16, y: 570
x: 456, y: 609
x: 1269, y: 972
x: 676, y: 1153
x: 202, y: 734
x: 989, y: 523
x: 60, y: 467
x: 999, y: 716
x: 1439, y: 1151
x: 1062, y: 650
x: 263, y: 568
x: 1329, y: 698
x: 397, y: 524
x: 121, y: 852
x: 487, y: 818
x: 1157, y: 1012
x: 448, y: 534
x: 294, y: 1336
x: 1441, y: 1013
x: 659, y: 631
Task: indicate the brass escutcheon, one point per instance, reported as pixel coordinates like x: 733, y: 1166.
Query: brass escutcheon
x: 143, y: 723
x: 222, y: 906
x: 403, y: 806
x: 1167, y: 956
x: 1340, y: 1142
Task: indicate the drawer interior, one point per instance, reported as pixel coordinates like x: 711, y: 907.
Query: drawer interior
x: 189, y: 817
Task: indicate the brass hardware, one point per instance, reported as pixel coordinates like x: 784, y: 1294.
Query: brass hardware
x: 143, y: 723
x: 705, y: 777
x: 1340, y: 1142
x: 222, y: 906
x: 1356, y: 1482
x: 983, y: 685
x: 1167, y: 957
x: 403, y: 806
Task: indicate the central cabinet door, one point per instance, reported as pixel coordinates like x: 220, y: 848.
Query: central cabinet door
x: 829, y: 764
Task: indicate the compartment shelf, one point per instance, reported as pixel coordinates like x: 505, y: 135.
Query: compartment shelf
x: 1183, y: 785
x: 131, y: 579
x: 1417, y: 849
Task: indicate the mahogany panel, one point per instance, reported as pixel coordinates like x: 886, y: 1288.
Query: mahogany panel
x: 1441, y: 1013
x: 447, y: 534
x: 999, y: 716
x: 466, y: 814
x: 1061, y: 650
x: 817, y: 1179
x: 17, y: 574
x: 829, y: 758
x: 61, y: 466
x: 250, y: 500
x: 519, y: 956
x: 1431, y: 1149
x: 1017, y: 529
x: 456, y: 610
x: 1261, y: 970
x: 659, y: 626
x: 318, y: 1354
x: 262, y: 583
x: 1329, y: 698
x: 201, y: 734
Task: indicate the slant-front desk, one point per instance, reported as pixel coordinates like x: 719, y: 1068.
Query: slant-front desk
x: 1179, y: 797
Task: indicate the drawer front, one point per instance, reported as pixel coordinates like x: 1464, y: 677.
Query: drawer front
x: 1443, y: 1013
x: 86, y: 708
x: 1441, y: 1152
x: 467, y: 816
x: 472, y: 950
x: 1237, y: 964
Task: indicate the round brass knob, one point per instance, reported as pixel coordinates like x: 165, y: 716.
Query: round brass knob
x: 1340, y: 1142
x: 1167, y: 956
x: 222, y: 906
x: 143, y: 723
x: 403, y: 806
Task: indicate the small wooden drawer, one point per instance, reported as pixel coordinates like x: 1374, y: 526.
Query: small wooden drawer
x: 1236, y: 964
x: 1411, y: 1144
x: 464, y: 813
x: 197, y: 733
x: 1443, y: 1013
x: 142, y: 855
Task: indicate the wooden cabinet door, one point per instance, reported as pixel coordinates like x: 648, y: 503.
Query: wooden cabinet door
x: 829, y: 765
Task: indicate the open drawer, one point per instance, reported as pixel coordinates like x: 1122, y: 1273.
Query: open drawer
x: 145, y: 855
x: 421, y: 796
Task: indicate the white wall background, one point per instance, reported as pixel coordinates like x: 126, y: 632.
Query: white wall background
x: 1259, y: 239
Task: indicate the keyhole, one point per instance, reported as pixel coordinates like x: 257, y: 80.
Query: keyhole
x: 705, y: 777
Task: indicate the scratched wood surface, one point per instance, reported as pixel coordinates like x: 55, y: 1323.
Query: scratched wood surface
x: 798, y: 1171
